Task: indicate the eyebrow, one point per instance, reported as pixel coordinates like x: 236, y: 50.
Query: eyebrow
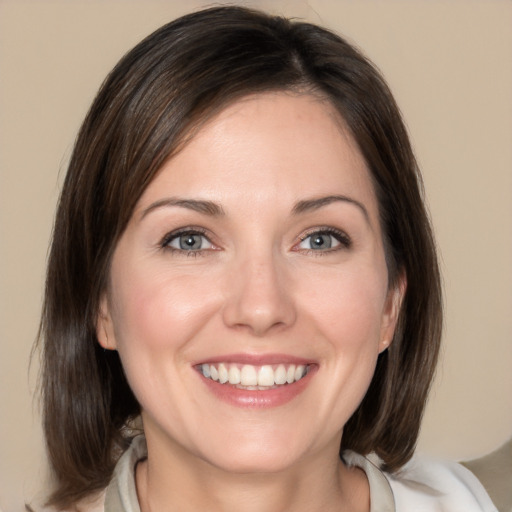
x: 205, y: 207
x: 215, y: 210
x: 314, y: 204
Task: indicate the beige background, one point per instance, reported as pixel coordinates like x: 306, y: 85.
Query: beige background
x: 450, y: 66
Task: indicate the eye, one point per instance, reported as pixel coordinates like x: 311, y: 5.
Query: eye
x: 191, y: 241
x: 324, y: 240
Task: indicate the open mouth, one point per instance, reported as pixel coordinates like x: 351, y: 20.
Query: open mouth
x: 250, y: 377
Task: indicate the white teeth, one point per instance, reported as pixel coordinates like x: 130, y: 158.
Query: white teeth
x: 290, y: 374
x: 205, y: 368
x: 248, y: 376
x: 253, y: 377
x: 234, y: 375
x: 280, y: 375
x: 266, y: 376
x: 223, y: 373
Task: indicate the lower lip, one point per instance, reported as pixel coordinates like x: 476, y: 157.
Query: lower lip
x: 259, y: 398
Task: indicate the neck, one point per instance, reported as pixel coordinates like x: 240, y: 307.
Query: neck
x: 322, y: 483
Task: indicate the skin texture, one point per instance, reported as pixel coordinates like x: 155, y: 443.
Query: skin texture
x: 255, y: 287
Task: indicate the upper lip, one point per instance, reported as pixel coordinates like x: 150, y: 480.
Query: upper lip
x: 255, y: 359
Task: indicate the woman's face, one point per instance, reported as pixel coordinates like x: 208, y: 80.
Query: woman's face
x: 248, y: 296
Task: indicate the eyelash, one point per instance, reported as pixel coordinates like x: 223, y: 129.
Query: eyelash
x: 173, y: 235
x: 340, y: 236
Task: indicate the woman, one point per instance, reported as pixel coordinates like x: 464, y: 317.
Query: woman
x: 242, y: 259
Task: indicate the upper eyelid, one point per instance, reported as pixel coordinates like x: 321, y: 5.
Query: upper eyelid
x: 171, y: 235
x: 341, y: 236
x: 327, y: 230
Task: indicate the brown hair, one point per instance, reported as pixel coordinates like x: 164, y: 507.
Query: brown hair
x: 155, y: 97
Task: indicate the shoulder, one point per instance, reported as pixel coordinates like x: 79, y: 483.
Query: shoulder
x: 428, y: 484
x: 121, y: 494
x: 494, y: 470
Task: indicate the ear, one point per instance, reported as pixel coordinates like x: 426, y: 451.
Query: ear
x: 104, y: 325
x: 392, y: 306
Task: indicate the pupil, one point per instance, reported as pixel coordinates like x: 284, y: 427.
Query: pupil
x: 190, y: 242
x: 321, y: 242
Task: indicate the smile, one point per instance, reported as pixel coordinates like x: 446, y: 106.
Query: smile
x: 252, y: 377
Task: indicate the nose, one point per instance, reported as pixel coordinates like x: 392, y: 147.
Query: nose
x: 260, y: 297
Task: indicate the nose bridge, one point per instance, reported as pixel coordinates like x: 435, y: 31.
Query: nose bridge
x: 259, y: 293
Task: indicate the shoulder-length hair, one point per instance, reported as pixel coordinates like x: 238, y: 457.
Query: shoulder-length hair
x: 153, y: 100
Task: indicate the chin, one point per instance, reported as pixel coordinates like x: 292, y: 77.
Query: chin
x: 254, y: 463
x: 255, y: 455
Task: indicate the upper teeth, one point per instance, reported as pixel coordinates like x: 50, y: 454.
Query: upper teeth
x: 254, y: 376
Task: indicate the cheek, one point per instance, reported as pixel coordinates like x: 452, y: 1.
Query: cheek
x: 155, y: 315
x: 344, y: 313
x: 348, y: 307
x: 158, y: 311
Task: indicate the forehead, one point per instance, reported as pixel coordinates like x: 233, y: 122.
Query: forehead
x: 277, y: 145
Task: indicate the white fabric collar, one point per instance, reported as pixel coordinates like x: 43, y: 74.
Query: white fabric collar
x: 422, y: 485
